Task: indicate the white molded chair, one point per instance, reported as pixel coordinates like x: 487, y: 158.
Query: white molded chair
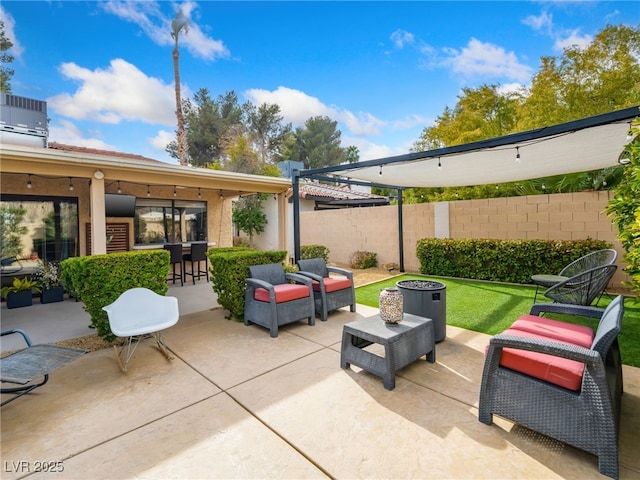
x: 139, y: 312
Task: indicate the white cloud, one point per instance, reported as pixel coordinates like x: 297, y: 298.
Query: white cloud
x: 411, y: 121
x: 64, y: 131
x: 161, y: 140
x: 400, y: 38
x: 9, y: 30
x: 486, y: 60
x: 573, y: 39
x: 297, y: 107
x: 119, y: 92
x: 157, y: 26
x: 544, y: 22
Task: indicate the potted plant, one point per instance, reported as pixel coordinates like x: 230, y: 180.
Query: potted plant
x: 47, y: 275
x: 19, y: 293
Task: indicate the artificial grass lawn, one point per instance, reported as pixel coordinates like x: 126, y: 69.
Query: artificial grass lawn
x: 490, y: 308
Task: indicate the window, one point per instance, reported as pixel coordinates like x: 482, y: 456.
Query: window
x: 38, y: 227
x: 169, y: 221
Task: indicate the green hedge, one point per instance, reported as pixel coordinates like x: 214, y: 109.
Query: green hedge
x: 512, y: 261
x: 314, y: 251
x: 230, y: 267
x: 98, y: 280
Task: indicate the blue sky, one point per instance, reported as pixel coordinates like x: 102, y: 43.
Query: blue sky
x: 383, y: 70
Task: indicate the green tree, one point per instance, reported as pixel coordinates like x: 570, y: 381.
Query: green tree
x: 480, y: 113
x: 317, y: 144
x: 266, y: 131
x: 624, y: 209
x: 601, y: 78
x: 248, y: 216
x: 6, y: 72
x: 352, y: 154
x: 11, y: 229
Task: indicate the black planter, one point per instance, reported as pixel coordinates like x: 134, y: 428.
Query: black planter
x: 427, y: 299
x: 19, y: 299
x: 51, y: 295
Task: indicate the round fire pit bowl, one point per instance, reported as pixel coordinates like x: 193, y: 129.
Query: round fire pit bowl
x: 427, y: 299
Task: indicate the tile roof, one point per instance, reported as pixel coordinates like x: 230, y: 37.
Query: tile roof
x: 314, y: 190
x: 96, y: 151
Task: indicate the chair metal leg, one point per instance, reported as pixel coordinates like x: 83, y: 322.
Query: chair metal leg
x: 129, y: 347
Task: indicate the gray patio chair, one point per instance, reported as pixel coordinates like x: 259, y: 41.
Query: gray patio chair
x: 598, y: 258
x: 34, y: 362
x: 271, y: 301
x: 583, y: 288
x: 329, y: 292
x: 587, y: 417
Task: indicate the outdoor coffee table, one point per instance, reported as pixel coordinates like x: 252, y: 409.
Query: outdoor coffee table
x: 403, y: 343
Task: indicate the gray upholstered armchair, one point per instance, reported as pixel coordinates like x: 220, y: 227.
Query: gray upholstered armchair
x: 330, y: 292
x: 270, y: 300
x: 559, y: 379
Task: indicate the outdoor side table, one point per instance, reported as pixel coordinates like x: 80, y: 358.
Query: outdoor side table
x: 403, y: 343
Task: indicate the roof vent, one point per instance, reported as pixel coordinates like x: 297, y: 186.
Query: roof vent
x: 23, y: 121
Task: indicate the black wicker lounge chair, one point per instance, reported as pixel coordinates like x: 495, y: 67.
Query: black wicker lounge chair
x: 330, y: 292
x: 585, y: 415
x: 271, y: 301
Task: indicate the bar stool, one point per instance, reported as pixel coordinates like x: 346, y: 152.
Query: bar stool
x: 197, y: 255
x: 175, y: 249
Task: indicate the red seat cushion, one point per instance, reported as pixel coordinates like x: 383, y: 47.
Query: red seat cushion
x: 555, y: 329
x: 332, y: 284
x: 559, y: 371
x: 284, y: 292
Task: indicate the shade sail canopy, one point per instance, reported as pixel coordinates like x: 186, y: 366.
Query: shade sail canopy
x: 589, y: 144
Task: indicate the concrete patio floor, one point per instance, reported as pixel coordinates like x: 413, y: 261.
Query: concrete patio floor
x: 235, y: 403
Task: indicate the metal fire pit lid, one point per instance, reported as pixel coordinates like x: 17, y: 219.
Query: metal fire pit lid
x: 420, y: 285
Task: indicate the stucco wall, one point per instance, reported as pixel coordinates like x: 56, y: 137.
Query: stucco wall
x: 567, y: 216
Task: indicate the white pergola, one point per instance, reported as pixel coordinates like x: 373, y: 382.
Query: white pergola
x: 588, y: 144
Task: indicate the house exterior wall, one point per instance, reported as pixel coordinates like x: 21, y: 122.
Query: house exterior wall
x: 565, y: 216
x: 219, y: 224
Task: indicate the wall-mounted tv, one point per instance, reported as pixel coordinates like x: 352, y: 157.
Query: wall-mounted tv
x: 116, y: 205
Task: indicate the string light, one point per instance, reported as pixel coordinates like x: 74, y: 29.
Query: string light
x: 148, y: 190
x: 221, y: 196
x: 439, y: 164
x: 119, y: 189
x: 29, y: 184
x: 517, y: 154
x: 70, y: 183
x: 380, y: 172
x: 174, y: 191
x: 199, y: 194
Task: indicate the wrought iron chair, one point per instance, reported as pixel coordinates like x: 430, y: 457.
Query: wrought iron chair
x: 583, y: 288
x: 175, y: 249
x: 329, y: 292
x: 138, y: 313
x: 196, y: 256
x: 585, y: 415
x: 606, y: 256
x: 271, y: 300
x: 31, y: 363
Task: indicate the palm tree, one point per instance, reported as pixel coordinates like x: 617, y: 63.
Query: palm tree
x: 179, y: 23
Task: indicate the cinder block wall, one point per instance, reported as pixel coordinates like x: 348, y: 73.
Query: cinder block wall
x: 563, y: 216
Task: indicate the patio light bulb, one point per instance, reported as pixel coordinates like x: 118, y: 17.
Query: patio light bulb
x: 199, y: 194
x: 221, y: 196
x: 70, y: 183
x: 174, y: 191
x: 119, y: 189
x: 517, y: 154
x: 29, y: 184
x: 148, y: 190
x: 629, y: 135
x: 380, y: 172
x: 439, y: 164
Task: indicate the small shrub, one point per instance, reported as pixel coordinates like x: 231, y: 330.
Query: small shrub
x: 314, y: 251
x: 362, y: 260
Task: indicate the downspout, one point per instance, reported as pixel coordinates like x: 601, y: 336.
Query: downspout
x: 400, y: 232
